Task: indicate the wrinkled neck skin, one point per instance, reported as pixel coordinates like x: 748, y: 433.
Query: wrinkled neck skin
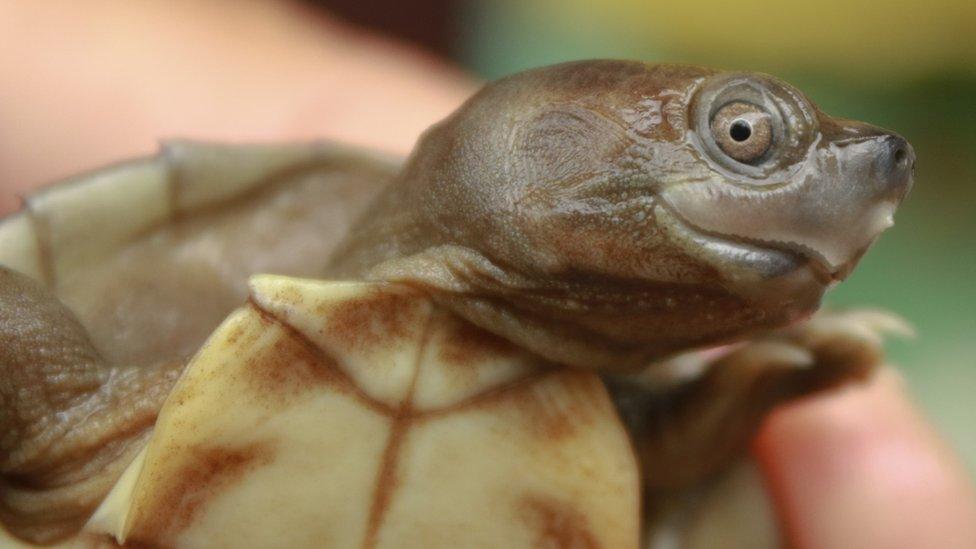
x: 580, y: 211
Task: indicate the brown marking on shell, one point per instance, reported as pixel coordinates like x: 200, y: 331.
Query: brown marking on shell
x: 323, y: 367
x: 372, y: 320
x: 234, y: 336
x: 558, y: 525
x: 206, y: 473
x: 386, y: 479
x: 463, y: 344
x: 289, y: 369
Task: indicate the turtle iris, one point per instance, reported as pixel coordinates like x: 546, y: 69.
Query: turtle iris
x: 743, y: 131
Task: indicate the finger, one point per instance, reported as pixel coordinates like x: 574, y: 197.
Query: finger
x: 105, y: 83
x: 863, y: 469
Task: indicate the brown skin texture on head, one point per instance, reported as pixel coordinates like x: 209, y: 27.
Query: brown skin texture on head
x: 580, y: 210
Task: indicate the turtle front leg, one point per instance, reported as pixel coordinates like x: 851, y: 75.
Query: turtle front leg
x: 70, y: 422
x: 687, y: 431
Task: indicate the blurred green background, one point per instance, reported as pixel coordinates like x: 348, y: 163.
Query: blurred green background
x: 908, y: 66
x: 905, y: 66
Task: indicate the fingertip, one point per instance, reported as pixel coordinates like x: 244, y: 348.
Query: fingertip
x: 861, y: 468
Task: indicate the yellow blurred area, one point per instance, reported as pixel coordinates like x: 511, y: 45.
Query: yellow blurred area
x: 858, y: 35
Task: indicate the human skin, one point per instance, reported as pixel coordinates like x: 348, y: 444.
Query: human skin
x: 857, y: 468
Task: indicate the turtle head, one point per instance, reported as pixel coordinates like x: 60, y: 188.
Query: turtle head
x: 606, y: 213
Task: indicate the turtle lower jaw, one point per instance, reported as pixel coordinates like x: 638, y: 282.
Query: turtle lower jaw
x: 785, y: 281
x: 737, y: 256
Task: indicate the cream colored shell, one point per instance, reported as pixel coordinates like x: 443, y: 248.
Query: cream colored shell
x: 326, y: 414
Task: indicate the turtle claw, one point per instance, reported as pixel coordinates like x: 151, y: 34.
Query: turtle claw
x: 847, y: 345
x: 868, y: 324
x: 768, y: 356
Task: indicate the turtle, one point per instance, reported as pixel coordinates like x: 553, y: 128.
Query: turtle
x: 556, y: 323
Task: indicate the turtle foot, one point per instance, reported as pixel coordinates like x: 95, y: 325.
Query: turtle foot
x: 686, y: 431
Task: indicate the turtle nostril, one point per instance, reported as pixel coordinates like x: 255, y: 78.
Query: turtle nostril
x: 900, y: 160
x: 901, y: 157
x: 904, y: 161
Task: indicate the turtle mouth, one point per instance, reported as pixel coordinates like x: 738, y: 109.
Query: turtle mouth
x: 770, y: 258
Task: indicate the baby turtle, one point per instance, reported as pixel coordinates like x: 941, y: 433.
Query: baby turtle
x: 494, y: 342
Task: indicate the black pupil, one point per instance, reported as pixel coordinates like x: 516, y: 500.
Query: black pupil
x: 740, y: 130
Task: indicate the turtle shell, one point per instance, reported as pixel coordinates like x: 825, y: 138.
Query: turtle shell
x: 152, y: 254
x: 347, y: 414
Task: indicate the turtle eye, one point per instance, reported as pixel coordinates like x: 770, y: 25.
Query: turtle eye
x: 743, y: 131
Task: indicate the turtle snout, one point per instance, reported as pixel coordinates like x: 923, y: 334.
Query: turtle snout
x: 896, y: 165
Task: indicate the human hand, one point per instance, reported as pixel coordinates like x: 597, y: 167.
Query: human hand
x: 858, y: 468
x: 861, y: 467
